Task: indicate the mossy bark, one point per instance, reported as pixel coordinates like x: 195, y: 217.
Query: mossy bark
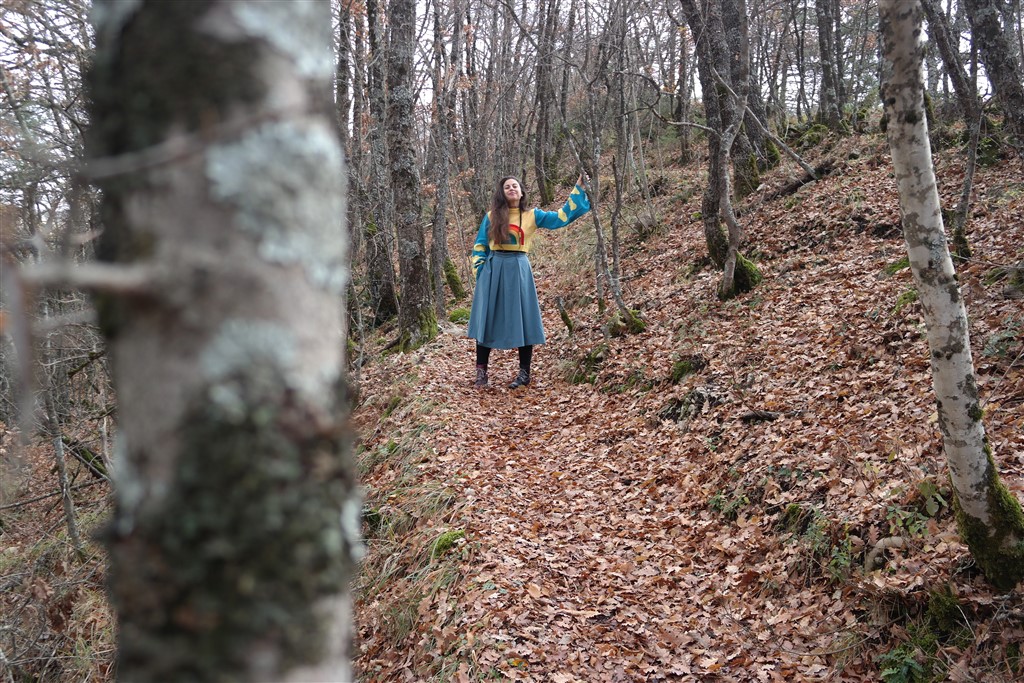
x: 416, y: 317
x: 424, y: 331
x: 747, y: 176
x: 451, y: 276
x: 237, y: 521
x: 988, y: 515
x: 245, y: 545
x: 746, y: 276
x: 998, y: 544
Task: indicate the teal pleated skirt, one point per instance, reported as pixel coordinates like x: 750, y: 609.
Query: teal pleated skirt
x: 506, y: 313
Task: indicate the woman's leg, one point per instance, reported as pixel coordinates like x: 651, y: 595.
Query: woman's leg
x: 525, y: 358
x: 483, y: 353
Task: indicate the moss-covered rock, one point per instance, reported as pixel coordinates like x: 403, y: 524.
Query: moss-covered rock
x: 586, y: 368
x: 459, y: 316
x: 685, y: 366
x: 446, y: 542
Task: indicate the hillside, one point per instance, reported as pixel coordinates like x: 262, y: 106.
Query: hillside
x: 694, y: 503
x: 719, y: 501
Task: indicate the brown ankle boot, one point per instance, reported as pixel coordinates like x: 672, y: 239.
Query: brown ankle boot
x: 481, y: 377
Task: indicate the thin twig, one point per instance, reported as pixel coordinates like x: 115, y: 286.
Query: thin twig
x: 129, y: 280
x: 12, y: 506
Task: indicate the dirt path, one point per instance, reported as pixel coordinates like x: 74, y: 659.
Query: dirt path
x: 591, y: 553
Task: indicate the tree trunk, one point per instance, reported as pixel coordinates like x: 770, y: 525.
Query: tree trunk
x: 444, y: 95
x: 988, y: 515
x: 417, y: 320
x: 237, y: 521
x: 739, y: 274
x: 1001, y: 63
x: 544, y: 160
x: 941, y: 37
x: 828, y: 107
x: 748, y: 146
x: 380, y: 228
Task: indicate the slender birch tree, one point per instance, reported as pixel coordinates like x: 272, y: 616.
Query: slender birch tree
x: 988, y: 515
x: 237, y: 521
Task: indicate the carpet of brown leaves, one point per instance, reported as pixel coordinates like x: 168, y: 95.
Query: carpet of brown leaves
x: 715, y: 528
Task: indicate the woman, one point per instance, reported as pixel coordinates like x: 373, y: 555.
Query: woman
x: 506, y: 314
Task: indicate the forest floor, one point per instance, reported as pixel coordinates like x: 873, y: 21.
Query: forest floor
x: 708, y: 500
x: 749, y: 490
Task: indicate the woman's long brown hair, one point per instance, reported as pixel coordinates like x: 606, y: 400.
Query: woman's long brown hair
x: 498, y: 231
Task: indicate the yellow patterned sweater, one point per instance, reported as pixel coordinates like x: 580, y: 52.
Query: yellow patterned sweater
x: 523, y: 226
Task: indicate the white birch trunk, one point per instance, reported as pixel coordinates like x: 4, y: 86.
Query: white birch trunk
x: 237, y: 522
x: 989, y: 517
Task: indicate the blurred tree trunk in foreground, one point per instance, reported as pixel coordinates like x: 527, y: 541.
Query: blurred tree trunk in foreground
x: 237, y: 521
x: 988, y: 515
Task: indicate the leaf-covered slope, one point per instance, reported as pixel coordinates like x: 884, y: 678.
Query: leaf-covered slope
x: 780, y: 513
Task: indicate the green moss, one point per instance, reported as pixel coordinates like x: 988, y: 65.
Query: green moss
x: 570, y: 326
x: 989, y: 151
x: 244, y: 545
x: 745, y: 278
x: 748, y: 176
x: 392, y: 405
x: 906, y: 298
x: 424, y: 331
x: 687, y: 365
x: 944, y: 613
x: 813, y: 137
x: 451, y: 276
x: 586, y: 367
x: 997, y: 547
x: 896, y: 267
x: 623, y: 323
x: 445, y: 542
x: 772, y: 154
x: 459, y: 316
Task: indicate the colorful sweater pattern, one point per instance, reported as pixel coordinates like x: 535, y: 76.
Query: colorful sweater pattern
x: 521, y: 235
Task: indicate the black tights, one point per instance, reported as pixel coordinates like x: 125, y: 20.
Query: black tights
x: 483, y: 353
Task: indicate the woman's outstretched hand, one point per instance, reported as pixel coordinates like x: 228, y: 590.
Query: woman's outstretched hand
x: 583, y: 180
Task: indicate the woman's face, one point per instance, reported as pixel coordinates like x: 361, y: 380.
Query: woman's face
x: 512, y: 191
